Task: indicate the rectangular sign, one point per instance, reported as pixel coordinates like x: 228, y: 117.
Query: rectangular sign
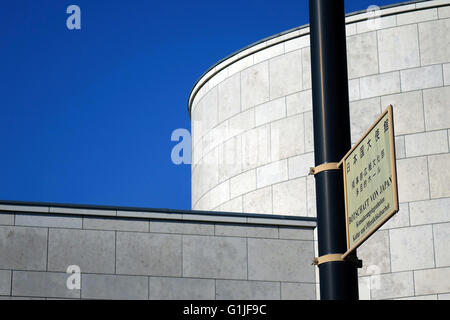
x: 370, y: 181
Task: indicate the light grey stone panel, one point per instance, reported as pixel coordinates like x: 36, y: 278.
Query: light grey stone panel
x: 400, y: 152
x: 242, y: 122
x: 220, y: 194
x: 420, y: 144
x: 430, y: 211
x: 47, y: 220
x: 375, y: 254
x: 18, y: 208
x: 298, y: 291
x: 23, y: 248
x: 296, y: 43
x: 209, y: 116
x: 22, y: 298
x: 208, y: 176
x: 417, y: 16
x: 81, y: 211
x: 398, y: 48
x: 408, y: 111
x: 247, y: 290
x: 92, y: 251
x: 437, y: 112
x: 6, y: 218
x: 306, y: 68
x: 393, y: 285
x: 380, y: 84
x: 311, y: 196
x: 446, y: 70
x: 364, y: 288
x: 271, y: 173
x: 411, y: 248
x: 230, y: 158
x: 269, y: 52
x: 5, y: 282
x: 115, y: 224
x: 434, y: 37
x: 256, y: 147
x: 299, y: 165
x: 181, y: 289
x: 444, y: 12
x: 431, y: 281
x: 299, y: 102
x: 215, y: 218
x: 182, y: 228
x: 255, y: 85
x: 152, y: 215
x: 148, y: 254
x: 280, y: 260
x: 309, y: 133
x: 42, y: 284
x: 101, y: 286
x: 287, y: 137
x: 378, y: 23
x: 444, y: 296
x: 439, y: 171
x: 441, y: 236
x: 243, y: 183
x: 214, y: 257
x: 421, y: 78
x: 398, y: 220
x: 258, y: 201
x: 362, y: 55
x: 296, y: 233
x: 246, y: 231
x: 234, y: 205
x: 229, y: 97
x: 285, y: 74
x: 412, y: 179
x: 270, y: 111
x: 289, y: 198
x: 362, y: 114
x: 283, y: 222
x: 427, y: 297
x: 353, y: 90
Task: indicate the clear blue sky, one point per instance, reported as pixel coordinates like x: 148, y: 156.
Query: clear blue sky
x: 86, y: 115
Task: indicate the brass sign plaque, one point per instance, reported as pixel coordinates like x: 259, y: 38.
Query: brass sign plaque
x: 370, y: 181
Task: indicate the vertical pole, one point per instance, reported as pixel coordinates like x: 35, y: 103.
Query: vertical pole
x: 338, y: 279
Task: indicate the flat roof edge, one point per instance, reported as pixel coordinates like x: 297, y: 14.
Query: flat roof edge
x: 195, y: 90
x: 23, y: 207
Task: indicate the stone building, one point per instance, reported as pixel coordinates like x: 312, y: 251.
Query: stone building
x: 250, y: 234
x: 252, y: 137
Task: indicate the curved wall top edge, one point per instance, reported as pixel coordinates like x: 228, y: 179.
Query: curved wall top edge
x: 300, y: 31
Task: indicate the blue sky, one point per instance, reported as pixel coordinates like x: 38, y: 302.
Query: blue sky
x: 86, y: 115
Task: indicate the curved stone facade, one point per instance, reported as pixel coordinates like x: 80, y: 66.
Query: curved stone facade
x: 252, y: 137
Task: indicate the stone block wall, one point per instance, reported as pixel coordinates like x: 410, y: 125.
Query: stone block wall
x: 130, y: 253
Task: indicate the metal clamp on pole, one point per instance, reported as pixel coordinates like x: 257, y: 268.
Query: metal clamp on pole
x: 327, y: 258
x: 323, y: 167
x: 336, y: 257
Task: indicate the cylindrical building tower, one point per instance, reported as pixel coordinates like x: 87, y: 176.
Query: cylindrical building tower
x: 252, y: 136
